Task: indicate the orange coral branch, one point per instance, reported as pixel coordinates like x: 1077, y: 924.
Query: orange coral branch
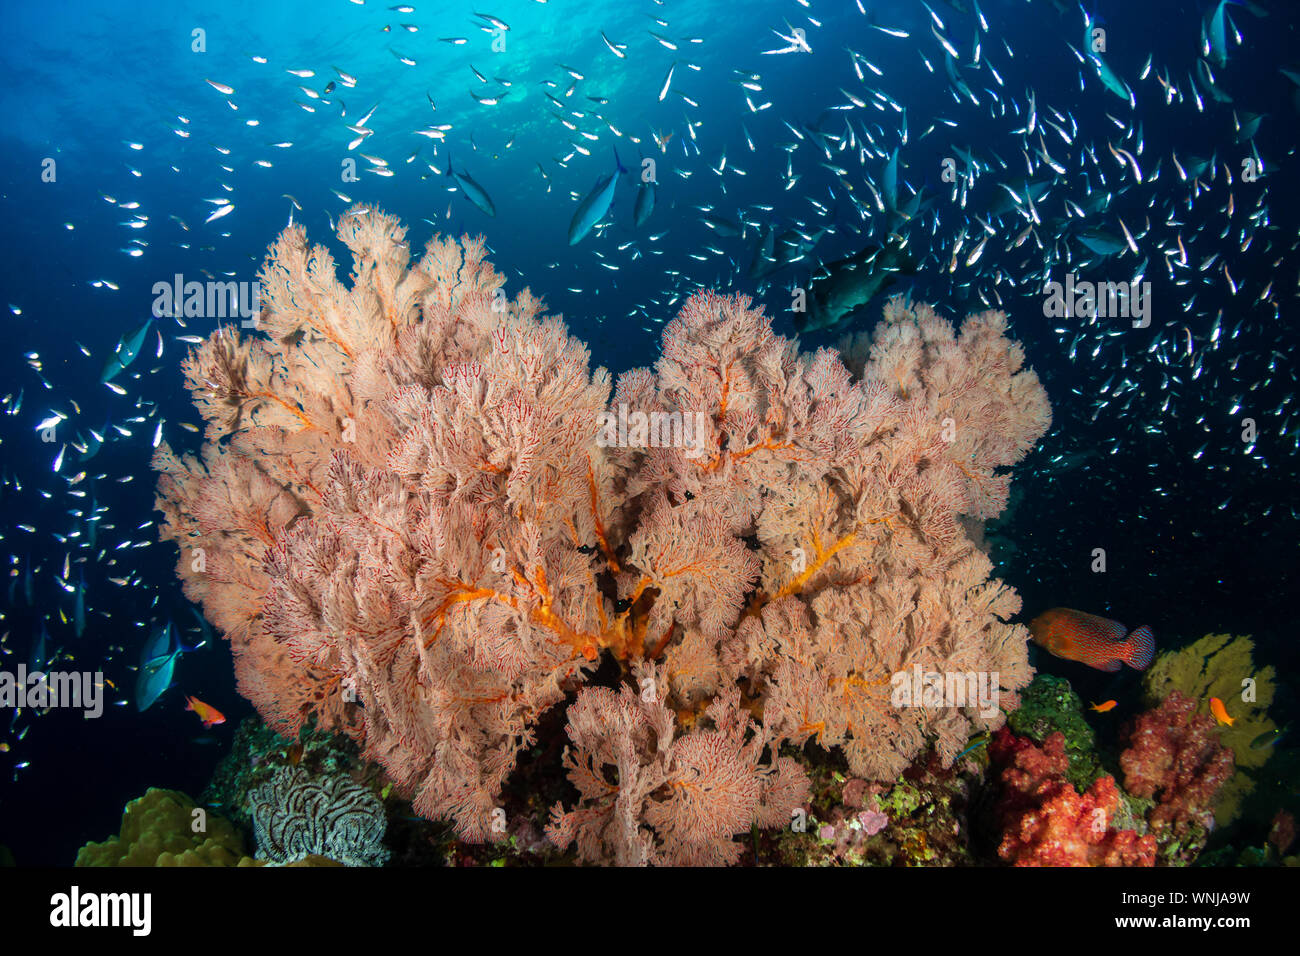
x: 661, y: 643
x: 716, y: 461
x: 726, y: 390
x: 292, y: 409
x: 798, y: 582
x: 600, y: 525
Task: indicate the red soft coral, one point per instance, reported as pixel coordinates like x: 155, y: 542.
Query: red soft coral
x: 1046, y: 822
x: 1175, y: 757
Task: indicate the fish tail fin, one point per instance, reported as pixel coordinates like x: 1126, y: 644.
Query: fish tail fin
x: 180, y: 645
x: 618, y: 162
x: 1141, y: 648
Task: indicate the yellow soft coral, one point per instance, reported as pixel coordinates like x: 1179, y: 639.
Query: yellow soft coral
x: 1216, y: 666
x: 162, y: 829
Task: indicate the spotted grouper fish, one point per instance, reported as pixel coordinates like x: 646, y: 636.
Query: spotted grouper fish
x: 1092, y: 640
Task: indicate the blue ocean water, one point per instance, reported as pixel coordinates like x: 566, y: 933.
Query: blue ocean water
x: 111, y: 105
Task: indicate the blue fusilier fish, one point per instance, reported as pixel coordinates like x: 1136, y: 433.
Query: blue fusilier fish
x: 1101, y: 242
x: 157, y: 666
x: 128, y: 347
x: 593, y: 209
x: 1104, y: 73
x: 472, y: 190
x: 95, y: 442
x: 92, y: 520
x: 1021, y: 197
x: 891, y: 182
x: 1214, y: 29
x: 204, y: 629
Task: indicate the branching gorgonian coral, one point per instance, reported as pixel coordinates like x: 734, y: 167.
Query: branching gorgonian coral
x: 415, y: 522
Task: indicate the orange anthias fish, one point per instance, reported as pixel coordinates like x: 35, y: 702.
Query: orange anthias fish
x: 1092, y: 640
x: 1104, y: 707
x: 207, y: 713
x: 1221, y: 713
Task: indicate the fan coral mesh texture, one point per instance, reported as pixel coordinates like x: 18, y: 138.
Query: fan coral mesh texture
x: 651, y: 796
x: 416, y: 523
x: 296, y: 814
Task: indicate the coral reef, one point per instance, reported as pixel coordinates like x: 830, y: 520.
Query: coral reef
x: 1281, y: 832
x: 1217, y: 665
x: 258, y: 753
x: 297, y: 814
x: 921, y: 819
x: 166, y: 828
x: 1049, y: 704
x: 421, y: 520
x: 1047, y: 822
x: 1174, y: 757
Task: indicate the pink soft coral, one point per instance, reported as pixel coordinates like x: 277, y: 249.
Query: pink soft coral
x: 650, y: 795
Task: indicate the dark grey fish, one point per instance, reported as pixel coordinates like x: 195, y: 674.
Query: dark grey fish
x: 1269, y: 737
x: 764, y: 262
x: 721, y: 225
x: 851, y: 283
x: 776, y: 251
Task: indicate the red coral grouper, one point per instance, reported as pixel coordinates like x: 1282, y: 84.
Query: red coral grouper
x: 1095, y: 641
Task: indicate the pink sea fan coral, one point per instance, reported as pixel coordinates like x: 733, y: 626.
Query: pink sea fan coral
x: 410, y: 523
x: 649, y: 795
x: 851, y: 490
x: 374, y: 531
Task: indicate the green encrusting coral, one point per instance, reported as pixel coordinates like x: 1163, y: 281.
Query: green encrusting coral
x: 1050, y: 704
x: 921, y: 819
x: 1222, y: 666
x: 258, y: 752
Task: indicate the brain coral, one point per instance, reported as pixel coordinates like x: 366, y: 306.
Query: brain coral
x: 297, y: 814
